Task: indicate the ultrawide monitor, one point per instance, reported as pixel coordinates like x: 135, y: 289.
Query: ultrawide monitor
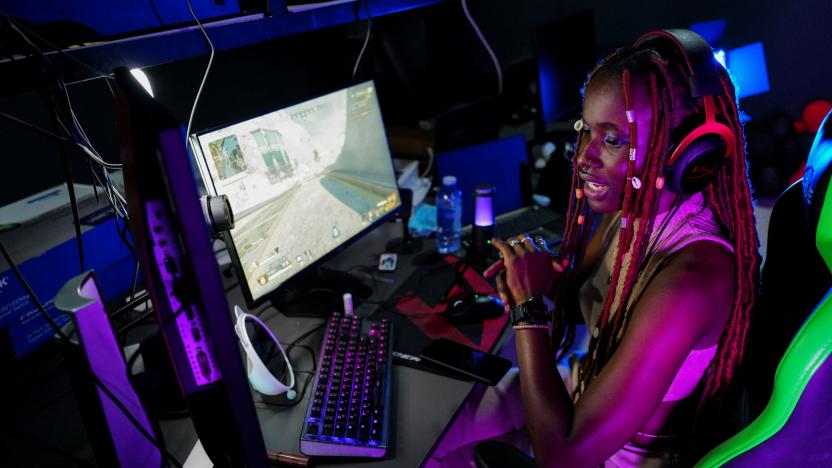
x: 302, y: 182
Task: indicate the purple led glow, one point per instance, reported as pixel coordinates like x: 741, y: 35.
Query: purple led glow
x: 483, y: 205
x: 106, y: 362
x: 168, y: 261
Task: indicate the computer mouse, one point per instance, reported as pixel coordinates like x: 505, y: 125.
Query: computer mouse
x: 474, y: 308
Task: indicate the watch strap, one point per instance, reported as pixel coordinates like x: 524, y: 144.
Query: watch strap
x: 533, y: 311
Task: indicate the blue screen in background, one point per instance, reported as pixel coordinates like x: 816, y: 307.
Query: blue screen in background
x: 495, y: 163
x: 747, y: 65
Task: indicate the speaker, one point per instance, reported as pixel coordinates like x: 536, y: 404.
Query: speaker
x: 483, y: 230
x: 701, y: 144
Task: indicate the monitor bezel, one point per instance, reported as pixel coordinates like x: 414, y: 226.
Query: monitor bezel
x: 208, y: 183
x: 538, y: 34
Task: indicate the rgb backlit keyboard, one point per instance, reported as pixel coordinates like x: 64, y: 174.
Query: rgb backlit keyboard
x: 349, y: 407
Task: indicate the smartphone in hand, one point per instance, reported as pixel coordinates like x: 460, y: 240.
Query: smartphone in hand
x: 458, y: 358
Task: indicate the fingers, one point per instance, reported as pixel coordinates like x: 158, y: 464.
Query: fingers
x: 494, y: 268
x: 522, y: 244
x: 502, y: 289
x: 541, y: 243
x: 525, y: 243
x: 504, y: 249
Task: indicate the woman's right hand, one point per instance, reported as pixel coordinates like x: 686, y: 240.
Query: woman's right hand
x: 524, y: 270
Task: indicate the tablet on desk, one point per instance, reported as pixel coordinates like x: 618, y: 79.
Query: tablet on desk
x: 456, y: 357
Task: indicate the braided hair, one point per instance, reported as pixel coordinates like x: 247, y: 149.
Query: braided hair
x: 728, y: 197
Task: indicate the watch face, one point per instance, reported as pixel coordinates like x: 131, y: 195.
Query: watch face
x: 538, y: 311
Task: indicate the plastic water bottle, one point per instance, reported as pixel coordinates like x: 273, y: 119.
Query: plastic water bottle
x: 448, y: 217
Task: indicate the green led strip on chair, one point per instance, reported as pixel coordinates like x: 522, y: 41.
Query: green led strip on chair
x: 807, y: 352
x: 809, y: 349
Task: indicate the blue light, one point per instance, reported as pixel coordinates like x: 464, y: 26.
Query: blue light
x: 748, y: 68
x: 711, y: 31
x: 719, y: 55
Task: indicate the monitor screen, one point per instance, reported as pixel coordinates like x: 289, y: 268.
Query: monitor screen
x: 302, y: 181
x: 747, y: 65
x: 565, y: 52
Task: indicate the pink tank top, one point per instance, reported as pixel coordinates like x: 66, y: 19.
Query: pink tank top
x: 691, y: 222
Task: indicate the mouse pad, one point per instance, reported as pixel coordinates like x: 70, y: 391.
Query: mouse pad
x: 417, y: 316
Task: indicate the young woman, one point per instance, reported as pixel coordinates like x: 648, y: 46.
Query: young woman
x: 666, y: 279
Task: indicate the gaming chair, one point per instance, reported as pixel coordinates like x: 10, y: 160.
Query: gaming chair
x: 795, y: 428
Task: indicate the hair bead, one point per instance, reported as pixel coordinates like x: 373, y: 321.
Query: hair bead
x: 659, y: 182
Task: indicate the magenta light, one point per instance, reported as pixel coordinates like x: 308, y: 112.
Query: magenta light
x: 483, y: 205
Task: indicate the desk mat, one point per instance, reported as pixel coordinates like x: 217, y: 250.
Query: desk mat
x: 418, y: 315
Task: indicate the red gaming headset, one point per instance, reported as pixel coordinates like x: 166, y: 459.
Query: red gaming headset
x: 701, y: 144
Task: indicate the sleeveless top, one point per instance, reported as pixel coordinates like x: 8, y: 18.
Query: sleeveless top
x: 674, y: 229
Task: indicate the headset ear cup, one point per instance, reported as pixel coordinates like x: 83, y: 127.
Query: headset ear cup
x: 697, y: 165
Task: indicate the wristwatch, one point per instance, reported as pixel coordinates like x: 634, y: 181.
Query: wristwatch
x: 534, y: 311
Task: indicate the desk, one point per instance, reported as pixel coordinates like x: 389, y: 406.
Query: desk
x: 423, y: 403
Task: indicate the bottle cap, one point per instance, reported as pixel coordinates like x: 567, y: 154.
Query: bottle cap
x: 449, y: 180
x: 347, y: 304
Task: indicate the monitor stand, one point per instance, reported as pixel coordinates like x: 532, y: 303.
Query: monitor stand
x: 319, y: 293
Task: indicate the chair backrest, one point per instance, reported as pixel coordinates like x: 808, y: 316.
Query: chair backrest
x: 793, y: 280
x: 795, y: 428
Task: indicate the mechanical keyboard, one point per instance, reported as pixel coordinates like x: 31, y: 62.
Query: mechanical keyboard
x: 528, y: 219
x: 348, y: 413
x: 531, y: 219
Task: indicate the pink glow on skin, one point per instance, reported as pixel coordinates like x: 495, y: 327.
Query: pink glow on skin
x: 602, y: 159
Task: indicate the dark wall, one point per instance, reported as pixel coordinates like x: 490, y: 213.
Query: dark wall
x: 795, y: 34
x: 424, y: 61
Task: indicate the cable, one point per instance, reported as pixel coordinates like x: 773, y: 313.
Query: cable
x: 431, y: 156
x: 135, y: 282
x: 115, y: 198
x: 306, y: 334
x: 158, y: 443
x: 155, y: 10
x: 37, y: 129
x: 310, y: 374
x: 73, y: 201
x: 49, y: 69
x: 487, y: 47
x: 204, y: 76
x: 141, y: 297
x: 17, y: 26
x: 366, y: 39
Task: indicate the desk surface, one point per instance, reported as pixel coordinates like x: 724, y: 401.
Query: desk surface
x: 424, y: 403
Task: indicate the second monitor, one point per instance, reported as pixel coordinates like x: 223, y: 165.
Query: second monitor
x: 302, y: 181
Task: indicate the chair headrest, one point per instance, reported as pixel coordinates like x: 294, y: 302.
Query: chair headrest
x: 817, y: 196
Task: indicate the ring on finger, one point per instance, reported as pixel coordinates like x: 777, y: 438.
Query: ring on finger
x: 513, y: 242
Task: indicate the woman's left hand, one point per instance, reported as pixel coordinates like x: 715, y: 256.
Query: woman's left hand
x: 527, y: 269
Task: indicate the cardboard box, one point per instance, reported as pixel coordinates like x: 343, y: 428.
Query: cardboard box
x: 44, y: 246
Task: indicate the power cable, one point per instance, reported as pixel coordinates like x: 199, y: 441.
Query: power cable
x: 487, y: 47
x: 204, y: 76
x: 366, y: 39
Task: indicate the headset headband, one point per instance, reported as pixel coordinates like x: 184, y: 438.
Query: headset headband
x: 705, y: 76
